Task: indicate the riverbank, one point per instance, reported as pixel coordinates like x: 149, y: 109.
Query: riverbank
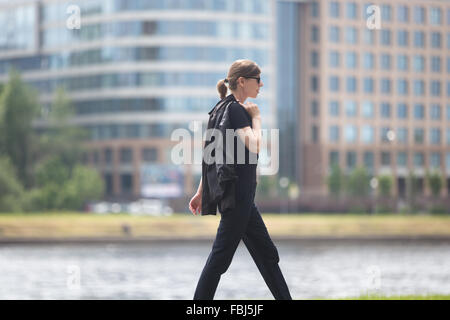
x: 82, y: 227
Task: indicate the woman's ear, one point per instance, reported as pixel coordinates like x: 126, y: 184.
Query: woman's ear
x: 241, y: 82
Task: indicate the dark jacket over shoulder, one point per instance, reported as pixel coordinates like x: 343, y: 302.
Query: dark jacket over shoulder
x: 218, y: 179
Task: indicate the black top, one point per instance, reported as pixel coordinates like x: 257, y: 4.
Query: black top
x: 240, y: 118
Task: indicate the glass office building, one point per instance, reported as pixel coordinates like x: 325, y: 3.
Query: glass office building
x: 135, y: 71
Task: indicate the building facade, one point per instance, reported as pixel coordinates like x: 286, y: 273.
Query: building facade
x: 137, y: 70
x: 375, y: 90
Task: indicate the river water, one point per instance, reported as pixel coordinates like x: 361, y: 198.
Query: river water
x: 170, y: 270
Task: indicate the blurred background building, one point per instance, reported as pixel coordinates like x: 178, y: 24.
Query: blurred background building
x: 136, y: 70
x: 377, y: 98
x: 338, y: 90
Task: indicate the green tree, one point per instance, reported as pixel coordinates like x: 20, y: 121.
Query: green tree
x: 335, y: 180
x: 267, y: 185
x: 435, y: 181
x: 385, y: 185
x: 85, y: 185
x: 412, y: 189
x: 11, y: 191
x: 358, y: 183
x: 60, y: 137
x: 18, y: 109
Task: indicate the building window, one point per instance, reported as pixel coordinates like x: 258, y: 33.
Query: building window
x: 385, y: 110
x: 369, y: 36
x: 367, y: 134
x: 419, y: 111
x: 385, y: 85
x: 419, y: 159
x: 402, y: 38
x: 334, y: 83
x: 314, y: 34
x: 386, y: 12
x: 368, y: 160
x: 384, y: 132
x: 334, y: 133
x: 314, y: 59
x: 385, y: 61
x: 351, y: 84
x: 402, y: 159
x: 149, y: 155
x: 435, y: 136
x: 419, y: 63
x: 435, y: 16
x: 369, y: 86
x: 108, y: 156
x: 350, y: 108
x: 133, y: 131
x: 334, y: 59
x: 315, y: 9
x: 352, y: 9
x: 402, y: 135
x: 385, y: 37
x: 436, y: 40
x: 435, y: 88
x: 435, y: 160
x: 402, y: 62
x: 385, y: 158
x: 334, y: 158
x: 419, y: 15
x: 436, y: 64
x: 402, y: 86
x: 419, y: 39
x: 351, y: 60
x: 351, y: 159
x: 435, y: 112
x: 334, y: 9
x: 350, y: 133
x: 314, y: 84
x: 402, y: 13
x: 334, y: 108
x: 402, y: 111
x: 314, y: 108
x: 419, y: 87
x: 126, y: 155
x: 367, y: 109
x: 351, y: 35
x: 419, y: 135
x: 369, y: 60
x: 315, y: 133
x: 334, y: 34
x: 126, y: 183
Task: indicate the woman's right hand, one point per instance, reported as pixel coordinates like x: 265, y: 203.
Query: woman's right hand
x: 196, y: 204
x: 252, y: 109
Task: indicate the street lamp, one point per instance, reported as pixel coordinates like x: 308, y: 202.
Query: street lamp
x: 374, y: 186
x: 284, y: 183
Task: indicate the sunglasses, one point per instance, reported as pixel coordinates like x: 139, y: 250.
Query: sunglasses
x: 258, y: 79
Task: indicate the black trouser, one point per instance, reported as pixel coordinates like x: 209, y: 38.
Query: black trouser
x: 245, y: 222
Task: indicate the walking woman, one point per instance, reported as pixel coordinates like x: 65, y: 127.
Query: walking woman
x: 243, y: 221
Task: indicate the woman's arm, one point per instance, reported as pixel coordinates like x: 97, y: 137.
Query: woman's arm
x: 251, y: 136
x: 200, y: 187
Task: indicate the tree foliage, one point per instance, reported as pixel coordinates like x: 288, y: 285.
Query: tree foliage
x: 41, y: 169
